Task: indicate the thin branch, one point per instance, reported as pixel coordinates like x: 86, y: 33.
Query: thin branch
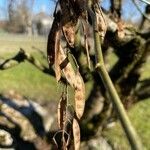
x: 138, y: 8
x: 20, y: 57
x: 146, y: 2
x: 126, y: 123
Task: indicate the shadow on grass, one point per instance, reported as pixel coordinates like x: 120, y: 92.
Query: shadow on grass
x: 15, y: 133
x: 30, y: 113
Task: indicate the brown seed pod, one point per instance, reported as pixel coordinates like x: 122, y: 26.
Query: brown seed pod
x: 57, y: 56
x: 76, y: 81
x: 61, y: 111
x: 67, y: 68
x: 79, y: 96
x: 101, y: 23
x: 51, y: 42
x: 69, y: 33
x: 86, y: 42
x: 76, y: 134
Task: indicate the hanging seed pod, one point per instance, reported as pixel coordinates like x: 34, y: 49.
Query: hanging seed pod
x: 57, y: 56
x: 79, y: 96
x: 67, y: 68
x: 61, y: 111
x: 101, y: 23
x: 86, y: 42
x: 69, y: 33
x: 76, y: 134
x: 51, y: 42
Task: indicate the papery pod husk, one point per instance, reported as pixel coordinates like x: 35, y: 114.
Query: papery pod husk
x: 101, y: 23
x: 86, y: 42
x: 69, y: 33
x: 51, y: 42
x: 79, y: 96
x: 67, y: 68
x: 76, y: 134
x: 76, y: 81
x: 57, y: 56
x: 62, y: 112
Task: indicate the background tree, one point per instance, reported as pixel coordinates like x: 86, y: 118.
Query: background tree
x: 20, y: 15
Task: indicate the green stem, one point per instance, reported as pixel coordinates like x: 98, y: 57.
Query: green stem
x: 128, y: 128
x: 126, y: 123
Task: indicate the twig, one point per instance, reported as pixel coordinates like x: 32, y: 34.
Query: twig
x: 138, y: 8
x: 101, y: 69
x: 146, y: 2
x: 20, y: 57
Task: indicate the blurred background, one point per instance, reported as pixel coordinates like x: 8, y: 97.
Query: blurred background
x: 26, y: 24
x: 24, y: 28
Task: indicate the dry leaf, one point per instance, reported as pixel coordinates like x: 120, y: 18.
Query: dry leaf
x: 76, y: 134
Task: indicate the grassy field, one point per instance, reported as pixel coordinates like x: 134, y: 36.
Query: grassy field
x: 27, y: 80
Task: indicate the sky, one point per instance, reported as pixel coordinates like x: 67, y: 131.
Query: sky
x: 129, y: 10
x: 45, y: 5
x: 39, y: 5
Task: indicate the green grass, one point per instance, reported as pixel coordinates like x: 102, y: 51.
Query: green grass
x: 29, y: 81
x: 24, y: 78
x: 146, y: 70
x: 12, y: 43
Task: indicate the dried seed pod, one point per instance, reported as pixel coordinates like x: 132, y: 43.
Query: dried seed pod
x: 101, y: 23
x: 76, y: 134
x: 61, y: 111
x: 67, y: 68
x: 79, y: 96
x: 57, y: 56
x: 86, y: 42
x: 69, y: 33
x: 51, y: 42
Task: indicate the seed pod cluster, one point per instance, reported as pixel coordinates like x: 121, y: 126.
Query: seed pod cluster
x: 62, y: 33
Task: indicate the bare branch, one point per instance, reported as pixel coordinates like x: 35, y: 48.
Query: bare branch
x: 138, y: 8
x: 20, y: 57
x: 116, y: 8
x: 145, y: 1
